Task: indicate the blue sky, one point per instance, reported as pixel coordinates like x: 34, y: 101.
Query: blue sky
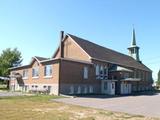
x: 33, y: 25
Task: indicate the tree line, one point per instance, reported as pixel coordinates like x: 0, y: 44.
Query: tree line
x: 9, y: 58
x: 158, y: 80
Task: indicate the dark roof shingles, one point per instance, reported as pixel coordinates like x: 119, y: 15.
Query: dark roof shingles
x: 102, y: 53
x: 41, y: 58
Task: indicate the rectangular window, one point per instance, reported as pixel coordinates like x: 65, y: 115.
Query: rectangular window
x: 137, y: 74
x: 97, y: 71
x: 105, y: 85
x: 25, y: 74
x: 85, y: 74
x: 126, y: 75
x: 105, y: 73
x: 35, y: 72
x: 101, y: 71
x: 48, y: 70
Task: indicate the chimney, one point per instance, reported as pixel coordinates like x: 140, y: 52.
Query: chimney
x: 61, y: 44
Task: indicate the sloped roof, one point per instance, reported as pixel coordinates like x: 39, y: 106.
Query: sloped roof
x: 105, y: 54
x: 41, y: 58
x: 37, y: 58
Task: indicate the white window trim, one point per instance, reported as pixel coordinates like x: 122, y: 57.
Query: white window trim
x: 46, y: 77
x: 25, y: 78
x: 36, y: 77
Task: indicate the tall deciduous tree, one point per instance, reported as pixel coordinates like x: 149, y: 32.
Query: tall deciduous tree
x: 158, y: 81
x: 9, y: 58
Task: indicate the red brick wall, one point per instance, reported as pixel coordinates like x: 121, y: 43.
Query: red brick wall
x: 41, y: 79
x: 73, y: 51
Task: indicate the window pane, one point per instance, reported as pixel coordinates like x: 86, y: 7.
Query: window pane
x: 25, y: 73
x: 97, y: 69
x: 101, y: 70
x: 85, y: 73
x: 35, y: 72
x: 48, y: 70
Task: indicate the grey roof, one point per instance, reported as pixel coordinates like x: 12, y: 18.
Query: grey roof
x: 103, y: 53
x: 41, y: 58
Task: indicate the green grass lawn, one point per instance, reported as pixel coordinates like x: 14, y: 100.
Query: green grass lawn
x: 40, y: 107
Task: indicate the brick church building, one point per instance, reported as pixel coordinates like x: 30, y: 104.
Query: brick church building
x: 79, y: 66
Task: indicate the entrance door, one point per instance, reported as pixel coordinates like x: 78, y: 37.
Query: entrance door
x: 108, y: 87
x: 112, y: 85
x: 126, y: 88
x: 104, y: 87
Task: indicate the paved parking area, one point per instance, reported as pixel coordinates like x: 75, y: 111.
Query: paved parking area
x: 147, y: 105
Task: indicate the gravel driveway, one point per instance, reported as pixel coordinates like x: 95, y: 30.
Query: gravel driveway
x: 147, y: 105
x: 8, y: 94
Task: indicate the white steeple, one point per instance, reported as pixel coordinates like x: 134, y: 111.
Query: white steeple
x: 134, y: 49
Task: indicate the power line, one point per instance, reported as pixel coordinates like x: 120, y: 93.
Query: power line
x: 152, y: 58
x: 153, y: 62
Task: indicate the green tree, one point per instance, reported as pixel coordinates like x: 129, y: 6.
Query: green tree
x: 158, y: 81
x: 9, y: 58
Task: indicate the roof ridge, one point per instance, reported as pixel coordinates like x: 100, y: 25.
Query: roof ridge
x: 101, y: 46
x: 104, y: 53
x: 40, y: 57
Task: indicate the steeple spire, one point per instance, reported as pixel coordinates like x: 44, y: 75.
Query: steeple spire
x: 134, y: 49
x: 134, y: 38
